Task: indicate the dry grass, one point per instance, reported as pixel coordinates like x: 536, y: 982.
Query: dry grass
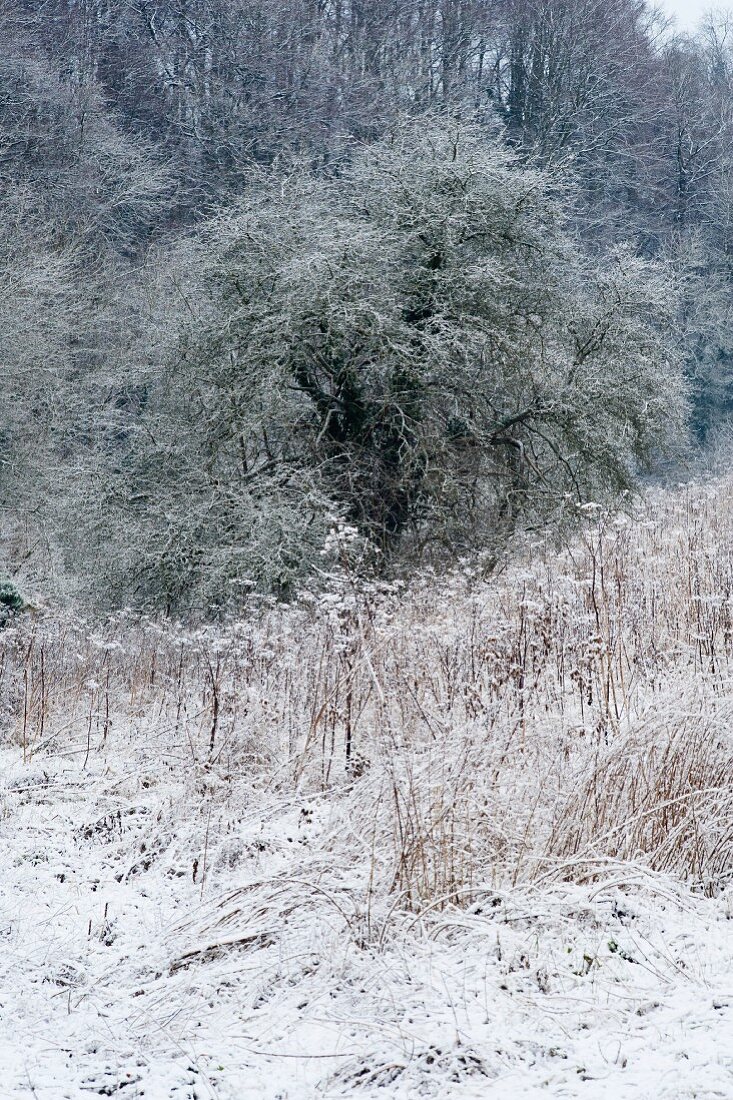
x: 571, y: 714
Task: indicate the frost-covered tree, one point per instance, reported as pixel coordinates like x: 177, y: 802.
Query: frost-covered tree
x: 420, y: 346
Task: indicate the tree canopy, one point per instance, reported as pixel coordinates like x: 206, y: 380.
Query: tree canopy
x: 418, y: 345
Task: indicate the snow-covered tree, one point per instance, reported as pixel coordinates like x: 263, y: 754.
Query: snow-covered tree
x: 419, y: 345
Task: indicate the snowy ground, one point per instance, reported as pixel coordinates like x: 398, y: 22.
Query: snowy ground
x: 120, y: 974
x: 471, y: 841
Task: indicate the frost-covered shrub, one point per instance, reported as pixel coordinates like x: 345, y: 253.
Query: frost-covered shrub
x: 420, y: 347
x: 11, y: 601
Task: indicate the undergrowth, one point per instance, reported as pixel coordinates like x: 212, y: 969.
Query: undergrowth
x: 569, y: 717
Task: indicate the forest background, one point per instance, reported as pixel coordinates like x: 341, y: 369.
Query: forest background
x: 289, y: 286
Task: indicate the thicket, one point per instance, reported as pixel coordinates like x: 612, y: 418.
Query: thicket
x: 433, y: 274
x: 567, y: 721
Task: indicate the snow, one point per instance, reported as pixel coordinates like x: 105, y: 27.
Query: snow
x: 263, y: 978
x: 521, y: 887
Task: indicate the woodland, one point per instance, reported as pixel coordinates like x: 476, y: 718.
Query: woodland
x: 366, y: 552
x: 293, y: 286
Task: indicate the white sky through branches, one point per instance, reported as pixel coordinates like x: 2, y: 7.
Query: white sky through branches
x: 687, y: 12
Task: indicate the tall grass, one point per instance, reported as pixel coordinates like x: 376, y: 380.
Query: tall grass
x: 570, y: 716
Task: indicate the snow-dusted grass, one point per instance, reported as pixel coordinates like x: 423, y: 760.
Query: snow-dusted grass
x: 473, y: 840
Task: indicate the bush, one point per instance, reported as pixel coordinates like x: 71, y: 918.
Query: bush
x: 419, y: 347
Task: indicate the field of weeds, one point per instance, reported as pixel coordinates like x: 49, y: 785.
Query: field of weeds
x: 464, y: 839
